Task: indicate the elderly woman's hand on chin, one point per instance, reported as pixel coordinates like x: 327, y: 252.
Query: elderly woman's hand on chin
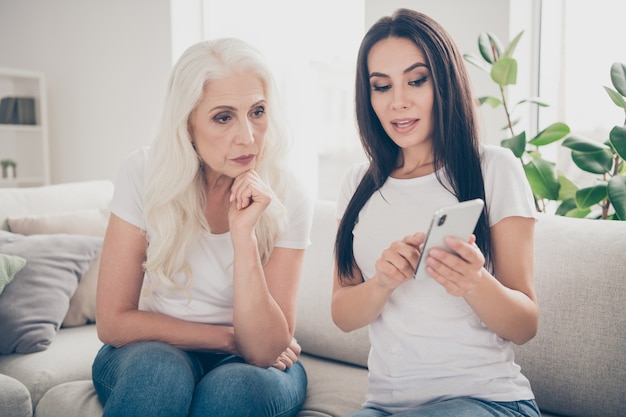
x: 249, y: 198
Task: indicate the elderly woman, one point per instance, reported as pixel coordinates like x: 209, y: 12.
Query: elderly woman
x: 202, y: 256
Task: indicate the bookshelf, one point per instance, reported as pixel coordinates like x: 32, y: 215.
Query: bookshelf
x: 25, y: 144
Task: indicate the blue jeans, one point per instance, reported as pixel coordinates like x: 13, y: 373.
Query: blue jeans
x: 462, y: 407
x: 156, y: 379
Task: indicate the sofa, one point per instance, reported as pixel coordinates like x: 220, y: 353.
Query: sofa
x: 576, y: 363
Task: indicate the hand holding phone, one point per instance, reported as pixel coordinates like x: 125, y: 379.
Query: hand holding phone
x: 457, y: 220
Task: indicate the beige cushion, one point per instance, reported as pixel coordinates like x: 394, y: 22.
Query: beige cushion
x: 53, y: 199
x: 91, y: 222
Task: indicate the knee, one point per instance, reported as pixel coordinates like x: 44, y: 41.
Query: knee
x: 248, y: 390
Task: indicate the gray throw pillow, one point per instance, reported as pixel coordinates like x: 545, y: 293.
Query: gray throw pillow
x: 34, y: 303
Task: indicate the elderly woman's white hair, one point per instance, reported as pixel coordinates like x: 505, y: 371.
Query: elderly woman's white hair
x: 174, y: 198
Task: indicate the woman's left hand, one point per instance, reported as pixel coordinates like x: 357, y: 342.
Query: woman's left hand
x: 458, y: 274
x: 249, y: 198
x: 289, y: 356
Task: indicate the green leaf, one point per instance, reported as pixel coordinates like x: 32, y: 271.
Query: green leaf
x: 542, y: 176
x: 477, y: 62
x: 589, y: 196
x: 567, y: 189
x: 512, y: 45
x: 599, y: 162
x: 617, y: 195
x: 616, y: 97
x: 517, y: 144
x: 552, y: 133
x: 618, y: 140
x: 576, y: 143
x: 492, y: 101
x: 618, y: 77
x: 533, y: 100
x: 487, y: 43
x: 504, y: 71
x: 568, y: 208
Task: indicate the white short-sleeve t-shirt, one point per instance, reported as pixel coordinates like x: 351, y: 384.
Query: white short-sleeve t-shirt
x: 428, y: 345
x: 211, y: 259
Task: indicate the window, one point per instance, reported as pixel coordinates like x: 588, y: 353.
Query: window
x: 311, y: 47
x: 579, y: 43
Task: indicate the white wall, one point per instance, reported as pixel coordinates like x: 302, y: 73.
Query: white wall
x: 106, y: 64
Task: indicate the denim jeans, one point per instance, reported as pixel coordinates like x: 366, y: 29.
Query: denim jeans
x: 462, y: 407
x: 156, y: 379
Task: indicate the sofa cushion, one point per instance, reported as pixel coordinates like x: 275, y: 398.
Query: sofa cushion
x: 68, y: 358
x: 53, y: 199
x: 91, y: 222
x: 70, y: 399
x: 33, y: 305
x: 14, y: 398
x: 315, y: 330
x: 576, y: 363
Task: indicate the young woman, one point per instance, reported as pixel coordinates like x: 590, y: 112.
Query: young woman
x: 202, y: 256
x: 441, y: 346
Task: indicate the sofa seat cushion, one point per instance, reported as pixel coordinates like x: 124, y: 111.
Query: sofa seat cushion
x: 68, y: 358
x: 71, y: 399
x: 335, y: 388
x: 14, y: 398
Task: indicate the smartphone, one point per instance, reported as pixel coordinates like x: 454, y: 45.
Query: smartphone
x: 454, y: 220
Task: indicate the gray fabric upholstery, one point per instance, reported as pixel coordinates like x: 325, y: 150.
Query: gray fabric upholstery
x: 576, y: 363
x: 315, y: 329
x: 14, y: 398
x: 68, y: 358
x: 34, y: 303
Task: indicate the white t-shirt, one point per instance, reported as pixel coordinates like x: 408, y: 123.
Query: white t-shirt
x: 428, y: 345
x: 211, y: 259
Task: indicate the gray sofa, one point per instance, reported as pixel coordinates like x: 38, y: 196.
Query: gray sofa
x: 576, y: 363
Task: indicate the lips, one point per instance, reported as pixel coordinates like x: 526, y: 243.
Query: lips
x: 244, y: 159
x: 403, y: 125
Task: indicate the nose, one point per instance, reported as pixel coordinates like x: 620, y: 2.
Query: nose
x: 400, y: 101
x: 245, y: 135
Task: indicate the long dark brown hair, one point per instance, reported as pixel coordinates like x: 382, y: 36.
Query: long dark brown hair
x: 455, y: 134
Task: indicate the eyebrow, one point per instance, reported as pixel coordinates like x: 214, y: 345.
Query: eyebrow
x: 232, y: 108
x: 409, y: 69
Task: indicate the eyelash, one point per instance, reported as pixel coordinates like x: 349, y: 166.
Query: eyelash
x: 415, y: 83
x: 222, y: 118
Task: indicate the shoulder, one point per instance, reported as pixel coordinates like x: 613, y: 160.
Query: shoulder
x: 136, y: 161
x: 355, y: 173
x: 496, y: 155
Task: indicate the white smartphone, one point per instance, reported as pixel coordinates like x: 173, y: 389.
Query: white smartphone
x: 457, y: 220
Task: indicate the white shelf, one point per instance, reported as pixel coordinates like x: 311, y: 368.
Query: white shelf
x: 27, y: 145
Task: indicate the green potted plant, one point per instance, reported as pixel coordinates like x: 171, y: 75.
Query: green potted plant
x: 8, y: 168
x: 547, y: 182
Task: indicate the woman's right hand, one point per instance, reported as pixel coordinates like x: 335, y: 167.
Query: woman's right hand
x: 397, y: 263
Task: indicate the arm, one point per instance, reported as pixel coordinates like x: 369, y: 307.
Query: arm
x: 264, y: 306
x: 356, y: 303
x: 506, y: 303
x: 120, y: 322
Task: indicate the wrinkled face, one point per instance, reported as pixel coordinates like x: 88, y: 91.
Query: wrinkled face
x: 402, y: 92
x: 229, y: 123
